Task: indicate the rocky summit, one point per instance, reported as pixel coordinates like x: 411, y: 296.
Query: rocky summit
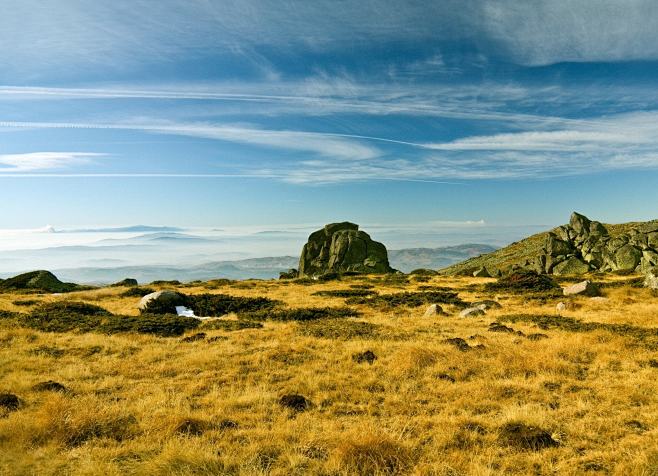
x: 342, y: 248
x: 578, y: 247
x: 585, y: 245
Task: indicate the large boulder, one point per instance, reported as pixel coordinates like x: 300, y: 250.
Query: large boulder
x: 571, y: 265
x: 342, y: 248
x: 163, y: 302
x: 627, y: 258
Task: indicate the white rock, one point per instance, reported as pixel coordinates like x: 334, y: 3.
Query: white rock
x: 585, y: 288
x: 434, y: 310
x: 561, y: 307
x: 471, y: 312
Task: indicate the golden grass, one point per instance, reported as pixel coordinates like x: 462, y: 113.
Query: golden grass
x: 140, y: 404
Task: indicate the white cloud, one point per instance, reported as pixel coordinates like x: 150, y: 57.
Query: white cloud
x: 36, y: 161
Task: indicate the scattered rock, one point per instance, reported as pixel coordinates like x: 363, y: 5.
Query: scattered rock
x: 195, y: 337
x: 537, y: 336
x: 163, y: 302
x: 38, y: 281
x: 561, y: 307
x: 651, y: 280
x: 227, y: 425
x: 471, y: 312
x: 295, y: 402
x: 367, y: 356
x: 446, y: 377
x: 191, y: 427
x: 128, y: 282
x: 434, y: 310
x: 495, y: 327
x: 458, y: 342
x: 482, y: 273
x: 9, y: 401
x: 423, y: 272
x: 637, y: 426
x: 292, y: 273
x: 340, y: 248
x: 49, y: 386
x: 571, y: 265
x: 486, y: 305
x: 600, y: 299
x: 525, y: 437
x: 584, y: 288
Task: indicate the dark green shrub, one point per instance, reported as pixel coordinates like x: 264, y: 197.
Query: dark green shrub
x: 215, y: 305
x: 346, y: 293
x: 230, y: 325
x: 409, y: 299
x: 82, y: 317
x: 523, y: 281
x: 137, y: 292
x: 301, y: 314
x: 26, y: 302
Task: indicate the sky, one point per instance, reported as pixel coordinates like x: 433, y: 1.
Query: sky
x: 255, y: 112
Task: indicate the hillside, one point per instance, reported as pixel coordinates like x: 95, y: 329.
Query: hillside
x: 521, y: 252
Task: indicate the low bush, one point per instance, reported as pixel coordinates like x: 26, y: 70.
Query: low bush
x: 216, y: 305
x: 137, y: 292
x: 230, y: 325
x: 82, y: 317
x: 523, y: 281
x: 409, y: 299
x: 345, y: 293
x: 301, y: 314
x: 26, y: 302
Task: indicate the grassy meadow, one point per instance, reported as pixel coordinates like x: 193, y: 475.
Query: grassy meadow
x: 425, y: 404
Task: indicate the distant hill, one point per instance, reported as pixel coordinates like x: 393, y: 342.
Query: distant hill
x: 407, y: 260
x: 263, y: 268
x: 129, y: 229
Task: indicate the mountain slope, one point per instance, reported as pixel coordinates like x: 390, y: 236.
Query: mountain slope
x: 521, y: 252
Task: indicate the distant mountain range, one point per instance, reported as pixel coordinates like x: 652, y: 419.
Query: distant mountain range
x: 262, y: 268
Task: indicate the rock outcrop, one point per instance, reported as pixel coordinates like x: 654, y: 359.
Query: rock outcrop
x: 44, y: 281
x: 584, y: 245
x: 342, y: 248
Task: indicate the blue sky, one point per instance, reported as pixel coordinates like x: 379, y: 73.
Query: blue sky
x: 255, y: 112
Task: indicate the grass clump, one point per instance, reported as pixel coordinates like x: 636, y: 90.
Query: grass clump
x: 374, y: 454
x: 25, y: 302
x: 345, y: 293
x: 409, y: 299
x: 301, y: 314
x: 339, y: 329
x: 646, y: 334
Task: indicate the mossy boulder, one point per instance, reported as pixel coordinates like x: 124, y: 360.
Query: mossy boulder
x: 571, y: 265
x: 342, y: 248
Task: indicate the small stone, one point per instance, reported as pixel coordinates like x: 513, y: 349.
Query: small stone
x: 227, y: 425
x: 584, y: 288
x: 486, y: 305
x: 561, y: 307
x: 471, y: 312
x: 434, y: 310
x: 482, y: 273
x: 193, y: 338
x: 526, y: 437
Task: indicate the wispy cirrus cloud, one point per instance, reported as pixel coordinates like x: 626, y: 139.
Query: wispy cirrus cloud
x: 40, y: 161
